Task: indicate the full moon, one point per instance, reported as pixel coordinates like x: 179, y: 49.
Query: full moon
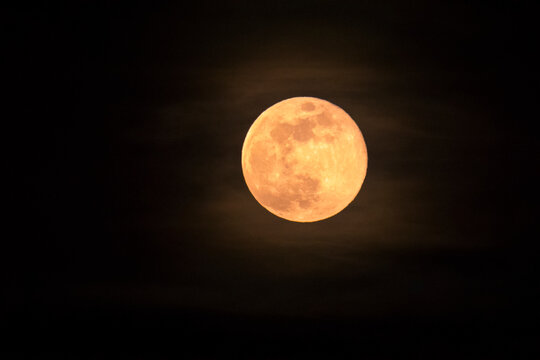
x: 304, y: 159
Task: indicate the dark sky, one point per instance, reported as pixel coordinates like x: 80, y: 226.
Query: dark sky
x: 134, y: 226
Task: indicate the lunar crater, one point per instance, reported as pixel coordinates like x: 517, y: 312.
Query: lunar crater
x: 308, y: 106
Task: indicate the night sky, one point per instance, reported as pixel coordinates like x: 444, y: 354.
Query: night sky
x: 134, y: 228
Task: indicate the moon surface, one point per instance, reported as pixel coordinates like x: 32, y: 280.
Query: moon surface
x: 304, y: 159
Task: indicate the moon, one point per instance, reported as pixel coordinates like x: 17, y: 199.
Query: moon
x: 304, y: 159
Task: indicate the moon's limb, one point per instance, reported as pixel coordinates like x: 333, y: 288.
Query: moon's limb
x: 304, y: 159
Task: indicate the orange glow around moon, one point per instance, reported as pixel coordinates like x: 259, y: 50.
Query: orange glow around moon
x: 304, y: 159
